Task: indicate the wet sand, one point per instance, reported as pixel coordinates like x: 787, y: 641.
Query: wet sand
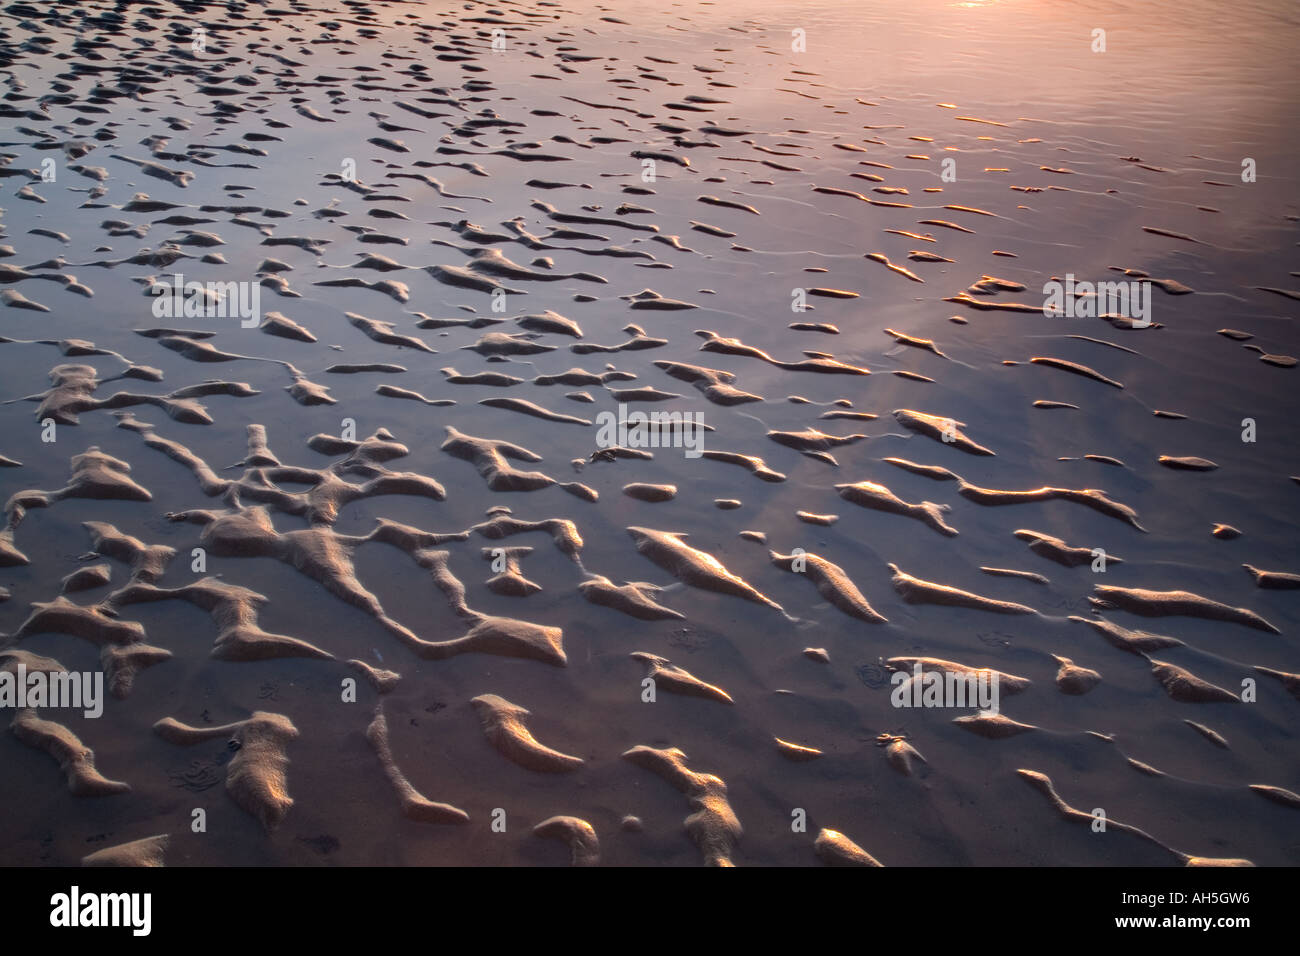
x: 368, y: 586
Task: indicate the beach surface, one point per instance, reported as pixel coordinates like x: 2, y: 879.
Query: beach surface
x: 371, y: 580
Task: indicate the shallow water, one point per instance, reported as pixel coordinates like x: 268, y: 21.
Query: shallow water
x: 1010, y: 91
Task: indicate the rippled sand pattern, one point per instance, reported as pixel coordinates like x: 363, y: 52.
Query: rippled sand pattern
x: 370, y: 579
